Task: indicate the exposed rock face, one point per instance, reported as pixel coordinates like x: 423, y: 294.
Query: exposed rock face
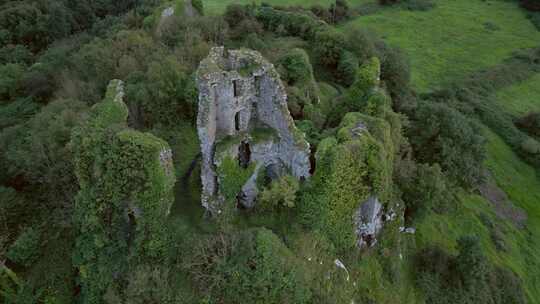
x: 243, y: 114
x: 369, y: 222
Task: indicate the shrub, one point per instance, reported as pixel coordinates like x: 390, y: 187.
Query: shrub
x: 339, y: 11
x: 251, y: 266
x: 426, y: 190
x: 232, y: 177
x: 395, y: 72
x: 465, y: 278
x: 367, y: 80
x: 530, y: 146
x: 10, y: 80
x: 39, y: 151
x: 347, y: 67
x: 296, y: 66
x: 440, y: 134
x: 199, y: 6
x: 361, y: 42
x: 281, y: 192
x: 535, y: 19
x: 328, y: 45
x: 26, y: 249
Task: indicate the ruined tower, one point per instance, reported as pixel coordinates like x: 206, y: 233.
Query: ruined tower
x: 243, y: 115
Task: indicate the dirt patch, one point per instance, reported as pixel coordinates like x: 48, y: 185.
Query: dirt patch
x: 504, y: 207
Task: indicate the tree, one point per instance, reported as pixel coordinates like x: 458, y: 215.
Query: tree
x: 297, y: 67
x: 425, y: 190
x: 440, y: 134
x: 395, y: 72
x: 328, y: 45
x: 10, y: 81
x: 26, y: 248
x: 348, y: 64
x: 38, y: 150
x: 339, y: 11
x: 281, y: 192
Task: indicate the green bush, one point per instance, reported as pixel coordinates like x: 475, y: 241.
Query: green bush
x: 328, y: 45
x: 39, y: 151
x: 281, y: 192
x: 297, y: 67
x: 232, y: 177
x: 440, y: 134
x: 535, y: 19
x: 466, y: 278
x: 199, y: 6
x: 367, y: 79
x: 426, y: 189
x: 251, y: 266
x: 347, y: 68
x: 26, y: 248
x: 10, y: 81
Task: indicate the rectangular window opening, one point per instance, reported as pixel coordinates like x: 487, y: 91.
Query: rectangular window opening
x: 236, y: 88
x: 237, y: 121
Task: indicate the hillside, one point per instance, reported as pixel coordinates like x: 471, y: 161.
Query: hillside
x: 277, y: 151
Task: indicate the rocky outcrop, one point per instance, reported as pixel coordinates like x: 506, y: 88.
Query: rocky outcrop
x: 369, y: 222
x: 243, y: 114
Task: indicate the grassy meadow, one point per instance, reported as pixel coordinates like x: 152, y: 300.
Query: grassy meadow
x: 453, y: 39
x: 521, y: 98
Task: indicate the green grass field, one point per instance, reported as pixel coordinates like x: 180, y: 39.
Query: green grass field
x: 521, y: 98
x: 520, y: 182
x: 454, y: 39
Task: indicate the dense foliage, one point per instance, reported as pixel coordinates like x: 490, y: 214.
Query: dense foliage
x: 99, y: 193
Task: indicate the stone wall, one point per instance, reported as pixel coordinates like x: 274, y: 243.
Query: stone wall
x: 241, y: 97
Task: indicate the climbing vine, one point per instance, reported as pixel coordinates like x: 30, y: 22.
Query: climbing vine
x: 123, y: 175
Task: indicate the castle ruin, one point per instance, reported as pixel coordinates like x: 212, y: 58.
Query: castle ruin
x: 243, y: 115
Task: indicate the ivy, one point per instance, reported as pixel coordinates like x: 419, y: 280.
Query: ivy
x: 123, y: 174
x: 232, y: 177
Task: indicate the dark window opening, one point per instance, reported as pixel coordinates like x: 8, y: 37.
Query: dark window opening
x: 244, y: 155
x: 131, y: 226
x: 236, y: 88
x: 258, y: 86
x: 237, y: 121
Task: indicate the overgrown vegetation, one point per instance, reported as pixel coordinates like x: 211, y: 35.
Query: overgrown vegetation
x: 86, y: 186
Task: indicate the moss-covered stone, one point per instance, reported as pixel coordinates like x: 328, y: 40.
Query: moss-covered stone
x: 126, y: 179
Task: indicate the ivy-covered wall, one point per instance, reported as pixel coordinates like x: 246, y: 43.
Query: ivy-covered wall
x: 356, y: 163
x: 126, y: 181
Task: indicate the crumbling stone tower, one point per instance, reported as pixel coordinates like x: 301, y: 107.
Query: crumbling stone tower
x: 243, y: 116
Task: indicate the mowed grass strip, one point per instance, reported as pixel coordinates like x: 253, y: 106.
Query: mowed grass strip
x: 521, y: 98
x: 454, y: 39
